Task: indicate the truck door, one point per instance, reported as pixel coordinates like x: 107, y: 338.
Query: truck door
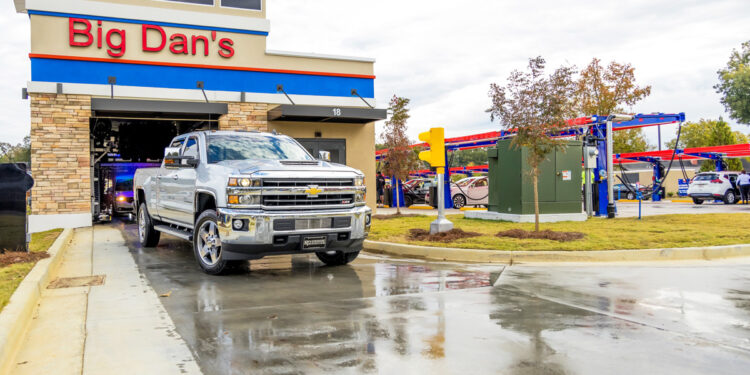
x: 167, y: 201
x: 184, y: 193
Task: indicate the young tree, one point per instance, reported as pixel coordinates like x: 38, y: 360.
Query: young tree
x: 535, y: 106
x: 734, y: 85
x: 603, y: 91
x: 400, y: 158
x: 18, y: 153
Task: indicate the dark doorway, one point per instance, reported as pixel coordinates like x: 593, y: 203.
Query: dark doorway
x: 337, y: 147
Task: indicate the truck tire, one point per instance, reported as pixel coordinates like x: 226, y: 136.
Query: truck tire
x: 207, y: 244
x: 730, y: 197
x: 148, y: 236
x: 337, y: 259
x: 697, y: 201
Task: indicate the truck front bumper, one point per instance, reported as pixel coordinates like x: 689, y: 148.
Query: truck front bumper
x: 289, y: 232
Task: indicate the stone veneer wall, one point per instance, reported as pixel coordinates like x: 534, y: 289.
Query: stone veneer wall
x: 60, y: 154
x: 245, y: 116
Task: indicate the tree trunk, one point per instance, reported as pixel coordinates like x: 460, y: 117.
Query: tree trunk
x: 536, y: 200
x: 397, y: 190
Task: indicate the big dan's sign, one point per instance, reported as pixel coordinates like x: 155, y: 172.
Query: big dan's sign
x: 153, y: 38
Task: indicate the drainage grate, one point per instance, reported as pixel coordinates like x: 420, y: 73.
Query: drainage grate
x: 72, y: 282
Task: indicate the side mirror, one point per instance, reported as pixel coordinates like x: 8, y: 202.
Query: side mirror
x: 171, y: 151
x: 174, y: 161
x: 324, y: 156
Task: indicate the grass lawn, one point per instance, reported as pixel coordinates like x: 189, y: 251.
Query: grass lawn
x: 600, y: 234
x: 12, y: 275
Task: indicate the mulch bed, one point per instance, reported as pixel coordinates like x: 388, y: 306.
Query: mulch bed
x: 12, y: 257
x: 394, y: 216
x: 449, y: 236
x: 542, y: 235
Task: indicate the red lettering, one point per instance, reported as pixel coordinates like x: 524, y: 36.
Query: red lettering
x: 99, y: 34
x: 203, y: 39
x: 116, y: 50
x: 85, y: 32
x: 226, y: 47
x: 182, y: 43
x: 145, y: 29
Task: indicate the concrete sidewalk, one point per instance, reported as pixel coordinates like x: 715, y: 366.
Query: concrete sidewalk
x: 119, y: 327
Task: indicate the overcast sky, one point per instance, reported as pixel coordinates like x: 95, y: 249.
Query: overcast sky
x: 444, y: 54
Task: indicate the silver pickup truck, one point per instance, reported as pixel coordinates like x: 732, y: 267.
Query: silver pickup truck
x: 246, y: 195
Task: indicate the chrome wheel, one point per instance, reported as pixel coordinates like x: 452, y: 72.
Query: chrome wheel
x: 459, y: 201
x: 142, y: 225
x: 209, y: 243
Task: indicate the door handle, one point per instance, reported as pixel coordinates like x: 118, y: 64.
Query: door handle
x: 174, y: 177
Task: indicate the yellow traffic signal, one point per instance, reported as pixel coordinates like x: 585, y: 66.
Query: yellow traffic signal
x: 436, y: 155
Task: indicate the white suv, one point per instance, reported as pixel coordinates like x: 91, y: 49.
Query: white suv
x: 714, y: 185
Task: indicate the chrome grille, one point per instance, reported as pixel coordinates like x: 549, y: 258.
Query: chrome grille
x: 306, y: 182
x: 304, y: 200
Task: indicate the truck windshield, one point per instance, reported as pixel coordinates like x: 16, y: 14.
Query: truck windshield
x: 258, y: 147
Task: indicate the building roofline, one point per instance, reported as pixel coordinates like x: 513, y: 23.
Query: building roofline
x: 320, y: 56
x: 142, y: 13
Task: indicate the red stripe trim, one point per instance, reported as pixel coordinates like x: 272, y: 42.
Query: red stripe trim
x: 221, y: 67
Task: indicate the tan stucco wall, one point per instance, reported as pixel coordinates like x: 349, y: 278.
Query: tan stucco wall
x: 360, y: 144
x: 50, y: 36
x: 216, y: 8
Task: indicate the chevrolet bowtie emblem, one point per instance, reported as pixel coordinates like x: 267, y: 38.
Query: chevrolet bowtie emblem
x: 313, y: 191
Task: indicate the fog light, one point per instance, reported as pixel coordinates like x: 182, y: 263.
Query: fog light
x: 237, y: 224
x: 249, y: 199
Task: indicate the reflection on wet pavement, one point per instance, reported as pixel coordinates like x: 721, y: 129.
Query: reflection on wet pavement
x: 292, y: 315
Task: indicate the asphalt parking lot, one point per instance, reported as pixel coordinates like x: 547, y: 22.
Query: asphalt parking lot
x: 292, y: 315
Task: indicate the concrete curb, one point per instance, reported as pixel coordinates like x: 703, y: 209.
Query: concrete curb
x: 512, y: 257
x: 18, y: 313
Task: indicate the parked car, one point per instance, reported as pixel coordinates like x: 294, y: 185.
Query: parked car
x: 242, y: 195
x: 714, y: 185
x: 621, y: 191
x: 470, y: 191
x: 416, y: 190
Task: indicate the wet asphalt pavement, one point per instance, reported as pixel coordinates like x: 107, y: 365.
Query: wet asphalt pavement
x: 292, y: 315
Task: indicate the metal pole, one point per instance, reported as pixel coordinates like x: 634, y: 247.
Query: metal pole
x: 587, y: 185
x: 659, y: 129
x: 441, y: 224
x: 610, y: 172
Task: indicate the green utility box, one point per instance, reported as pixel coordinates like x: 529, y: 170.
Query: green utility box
x: 511, y: 189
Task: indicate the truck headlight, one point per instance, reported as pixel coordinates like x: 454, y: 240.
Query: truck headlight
x: 243, y: 182
x: 359, y: 181
x: 244, y: 200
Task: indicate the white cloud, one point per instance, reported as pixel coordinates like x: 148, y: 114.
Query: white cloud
x: 444, y: 54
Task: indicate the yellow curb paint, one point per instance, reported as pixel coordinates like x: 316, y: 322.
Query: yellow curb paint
x: 628, y: 200
x: 421, y: 208
x: 473, y: 209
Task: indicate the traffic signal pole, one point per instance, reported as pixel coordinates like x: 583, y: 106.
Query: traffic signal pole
x: 436, y: 157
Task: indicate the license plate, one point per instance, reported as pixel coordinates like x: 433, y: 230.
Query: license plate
x: 314, y: 242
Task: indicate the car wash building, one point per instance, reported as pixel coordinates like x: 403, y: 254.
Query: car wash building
x: 112, y: 81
